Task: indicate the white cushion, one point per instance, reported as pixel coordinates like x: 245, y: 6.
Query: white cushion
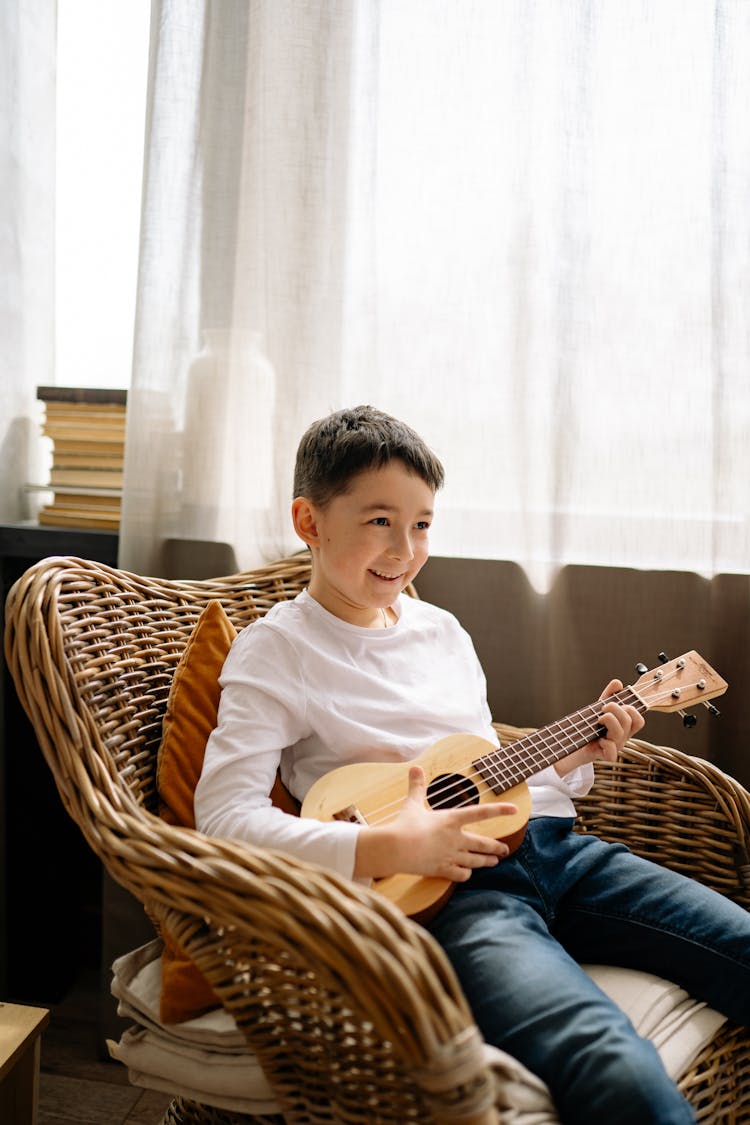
x: 678, y: 1026
x: 207, y: 1059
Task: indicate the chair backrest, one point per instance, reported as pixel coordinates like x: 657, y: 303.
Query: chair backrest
x: 93, y: 650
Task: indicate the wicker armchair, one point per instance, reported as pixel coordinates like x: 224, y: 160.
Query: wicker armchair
x: 351, y: 1009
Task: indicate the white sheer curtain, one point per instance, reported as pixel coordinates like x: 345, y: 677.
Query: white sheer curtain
x: 521, y: 226
x: 27, y: 176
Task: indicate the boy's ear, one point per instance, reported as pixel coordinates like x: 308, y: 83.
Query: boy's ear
x: 304, y: 520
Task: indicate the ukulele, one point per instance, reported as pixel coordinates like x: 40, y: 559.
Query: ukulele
x: 465, y: 769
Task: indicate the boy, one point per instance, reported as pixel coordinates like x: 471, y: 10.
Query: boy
x: 351, y: 671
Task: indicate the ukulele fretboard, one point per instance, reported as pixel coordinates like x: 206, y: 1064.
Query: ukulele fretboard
x: 514, y: 763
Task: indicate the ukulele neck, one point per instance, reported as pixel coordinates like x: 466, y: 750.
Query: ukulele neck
x: 514, y: 763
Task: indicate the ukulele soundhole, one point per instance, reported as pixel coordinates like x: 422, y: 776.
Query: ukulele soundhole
x: 451, y: 790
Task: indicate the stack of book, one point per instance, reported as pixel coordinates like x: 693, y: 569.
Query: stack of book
x: 87, y: 429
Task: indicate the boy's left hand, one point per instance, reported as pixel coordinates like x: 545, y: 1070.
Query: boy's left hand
x: 621, y: 723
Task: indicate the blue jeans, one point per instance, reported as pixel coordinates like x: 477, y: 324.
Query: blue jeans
x: 515, y: 934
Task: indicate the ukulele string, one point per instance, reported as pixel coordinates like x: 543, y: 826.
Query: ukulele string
x: 580, y: 723
x: 583, y: 724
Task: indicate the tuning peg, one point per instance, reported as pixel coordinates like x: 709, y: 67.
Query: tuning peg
x: 713, y: 710
x: 641, y: 669
x: 663, y: 657
x: 687, y: 720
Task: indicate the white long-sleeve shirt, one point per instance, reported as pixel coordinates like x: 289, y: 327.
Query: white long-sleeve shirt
x: 306, y: 691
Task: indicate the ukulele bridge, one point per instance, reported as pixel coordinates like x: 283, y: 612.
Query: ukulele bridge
x: 350, y: 814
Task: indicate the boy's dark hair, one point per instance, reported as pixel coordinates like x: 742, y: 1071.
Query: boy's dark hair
x: 336, y: 448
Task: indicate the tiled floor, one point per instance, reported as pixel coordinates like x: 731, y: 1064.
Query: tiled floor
x: 80, y: 1087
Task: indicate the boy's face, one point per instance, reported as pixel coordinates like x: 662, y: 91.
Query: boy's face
x: 368, y: 543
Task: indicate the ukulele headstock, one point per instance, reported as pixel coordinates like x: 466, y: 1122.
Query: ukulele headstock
x: 679, y: 683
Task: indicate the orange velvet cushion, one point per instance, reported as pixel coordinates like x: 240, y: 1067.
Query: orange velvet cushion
x: 191, y: 715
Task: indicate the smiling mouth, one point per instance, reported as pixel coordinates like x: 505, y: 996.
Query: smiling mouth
x: 385, y: 577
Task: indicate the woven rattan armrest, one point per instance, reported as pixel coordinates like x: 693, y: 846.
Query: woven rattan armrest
x: 325, y: 978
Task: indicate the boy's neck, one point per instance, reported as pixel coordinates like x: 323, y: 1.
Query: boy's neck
x: 365, y: 617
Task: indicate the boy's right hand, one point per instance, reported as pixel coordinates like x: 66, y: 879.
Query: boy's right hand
x: 431, y: 842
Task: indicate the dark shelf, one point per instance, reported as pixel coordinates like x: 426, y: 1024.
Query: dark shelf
x: 50, y: 881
